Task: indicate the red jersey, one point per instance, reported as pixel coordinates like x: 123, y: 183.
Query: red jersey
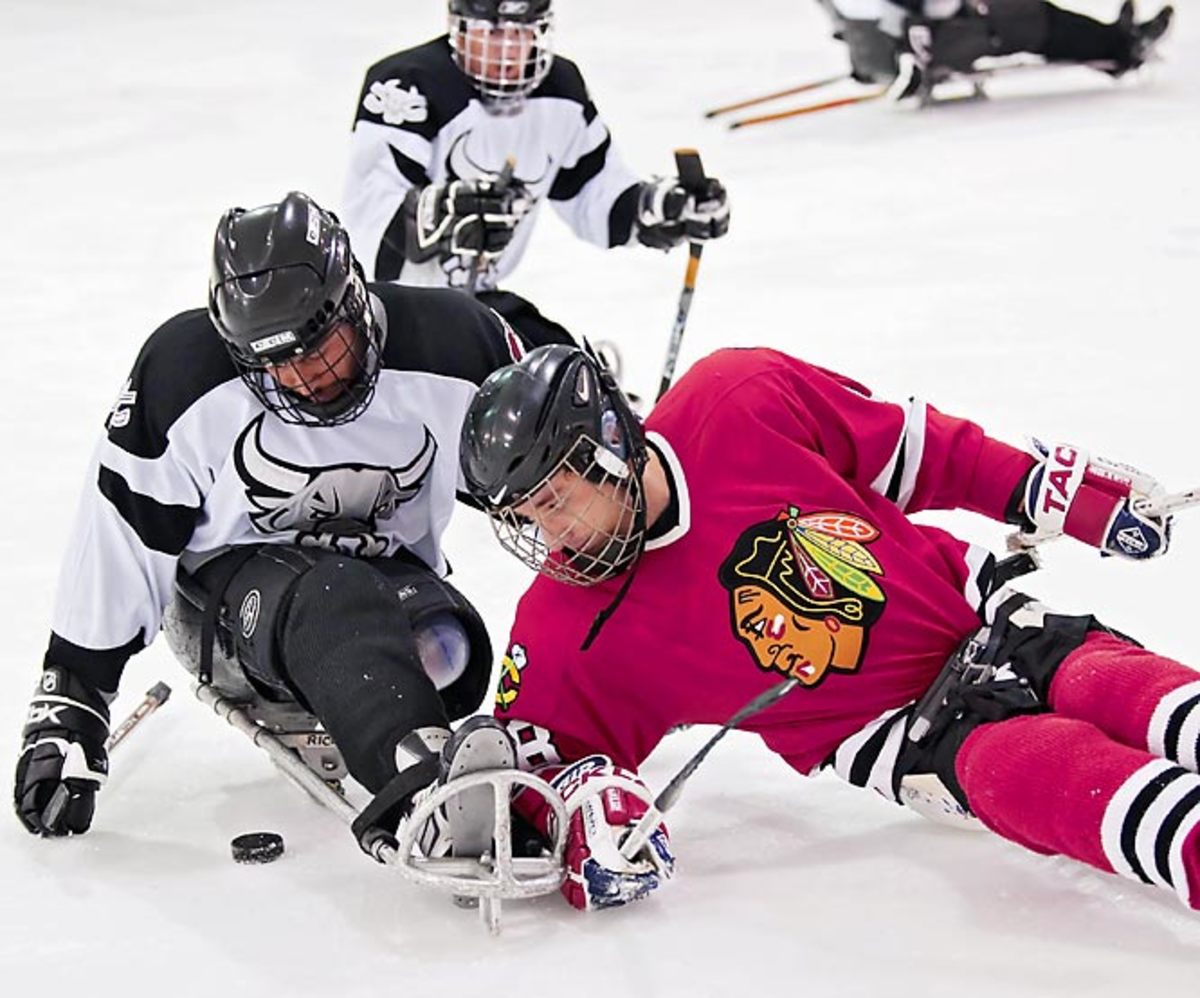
x: 793, y: 555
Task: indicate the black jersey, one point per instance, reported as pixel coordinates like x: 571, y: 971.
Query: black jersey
x: 419, y: 121
x: 192, y: 464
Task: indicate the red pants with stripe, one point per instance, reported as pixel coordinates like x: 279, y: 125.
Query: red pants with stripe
x: 1110, y: 776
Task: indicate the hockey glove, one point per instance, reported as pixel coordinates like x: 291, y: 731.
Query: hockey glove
x: 63, y: 761
x: 669, y: 214
x: 1096, y: 501
x: 464, y: 219
x: 603, y: 807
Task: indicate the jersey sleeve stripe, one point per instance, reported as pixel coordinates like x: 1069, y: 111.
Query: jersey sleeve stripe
x: 410, y: 169
x: 162, y: 527
x: 898, y: 478
x: 570, y: 181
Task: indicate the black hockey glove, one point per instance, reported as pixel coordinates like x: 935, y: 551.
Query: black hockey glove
x: 63, y: 762
x: 465, y: 219
x: 669, y: 214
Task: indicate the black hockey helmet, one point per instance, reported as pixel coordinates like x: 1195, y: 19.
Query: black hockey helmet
x: 557, y: 409
x: 289, y: 300
x: 503, y: 73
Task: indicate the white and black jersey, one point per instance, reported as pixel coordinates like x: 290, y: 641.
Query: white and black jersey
x: 192, y: 463
x: 419, y: 121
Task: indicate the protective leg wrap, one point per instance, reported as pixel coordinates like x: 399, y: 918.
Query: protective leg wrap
x: 1134, y: 696
x: 348, y: 649
x: 1072, y: 37
x: 1059, y: 785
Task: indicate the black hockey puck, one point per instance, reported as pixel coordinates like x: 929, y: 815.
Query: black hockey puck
x: 257, y: 847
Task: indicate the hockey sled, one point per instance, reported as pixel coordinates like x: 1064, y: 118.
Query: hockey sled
x: 489, y: 877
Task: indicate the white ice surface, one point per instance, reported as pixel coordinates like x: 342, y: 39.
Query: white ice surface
x: 1031, y: 262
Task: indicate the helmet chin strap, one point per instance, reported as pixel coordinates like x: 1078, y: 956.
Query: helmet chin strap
x: 638, y: 458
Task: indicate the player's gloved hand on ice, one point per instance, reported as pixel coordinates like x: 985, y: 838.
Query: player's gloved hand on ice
x: 603, y: 807
x: 465, y: 218
x: 669, y: 213
x: 63, y: 761
x: 1093, y: 500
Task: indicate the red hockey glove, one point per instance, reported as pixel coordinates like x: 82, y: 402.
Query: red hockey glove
x: 603, y: 805
x: 1096, y: 501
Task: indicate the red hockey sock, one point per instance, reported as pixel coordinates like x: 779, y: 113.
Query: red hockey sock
x: 1059, y: 785
x: 1139, y: 698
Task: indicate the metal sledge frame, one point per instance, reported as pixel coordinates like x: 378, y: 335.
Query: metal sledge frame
x: 490, y: 879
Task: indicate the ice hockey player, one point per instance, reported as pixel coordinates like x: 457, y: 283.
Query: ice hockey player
x: 759, y: 529
x: 288, y: 459
x: 946, y: 37
x: 428, y: 200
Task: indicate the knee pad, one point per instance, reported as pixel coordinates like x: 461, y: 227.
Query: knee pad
x: 452, y: 640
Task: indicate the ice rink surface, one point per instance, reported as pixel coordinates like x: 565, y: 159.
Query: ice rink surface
x: 1032, y: 262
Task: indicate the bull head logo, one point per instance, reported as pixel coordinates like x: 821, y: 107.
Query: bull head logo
x: 338, y: 506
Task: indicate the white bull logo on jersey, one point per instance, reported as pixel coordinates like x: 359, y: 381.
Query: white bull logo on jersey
x: 336, y: 507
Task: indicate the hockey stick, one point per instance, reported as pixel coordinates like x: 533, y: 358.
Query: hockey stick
x: 488, y: 878
x: 791, y: 91
x: 155, y: 697
x: 691, y: 176
x: 503, y: 179
x: 636, y: 839
x: 795, y: 112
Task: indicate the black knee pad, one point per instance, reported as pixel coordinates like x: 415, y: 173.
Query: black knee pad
x: 348, y: 648
x: 427, y: 601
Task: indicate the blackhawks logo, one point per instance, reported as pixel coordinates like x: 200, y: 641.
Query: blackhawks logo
x: 803, y: 592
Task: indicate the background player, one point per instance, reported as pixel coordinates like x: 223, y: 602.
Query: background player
x: 427, y: 198
x: 950, y: 35
x: 291, y: 453
x: 759, y: 529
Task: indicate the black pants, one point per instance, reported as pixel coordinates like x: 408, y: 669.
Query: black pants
x: 336, y: 634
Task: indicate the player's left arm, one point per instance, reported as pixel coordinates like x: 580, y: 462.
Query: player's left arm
x: 922, y: 458
x: 604, y: 800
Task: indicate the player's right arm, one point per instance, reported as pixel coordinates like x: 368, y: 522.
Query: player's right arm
x: 138, y: 508
x: 604, y: 800
x: 391, y: 149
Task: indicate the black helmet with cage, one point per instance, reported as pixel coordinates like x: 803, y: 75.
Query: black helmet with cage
x: 504, y: 47
x: 289, y: 301
x: 536, y: 430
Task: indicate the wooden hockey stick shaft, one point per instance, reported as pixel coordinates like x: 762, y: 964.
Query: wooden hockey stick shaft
x: 764, y: 98
x: 637, y: 839
x: 795, y: 112
x: 691, y: 176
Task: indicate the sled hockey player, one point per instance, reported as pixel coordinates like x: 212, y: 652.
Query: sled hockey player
x: 915, y: 43
x: 428, y: 198
x: 758, y: 528
x: 275, y: 478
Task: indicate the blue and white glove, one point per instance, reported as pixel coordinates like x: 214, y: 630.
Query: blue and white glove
x: 604, y: 802
x: 63, y: 762
x: 1099, y: 502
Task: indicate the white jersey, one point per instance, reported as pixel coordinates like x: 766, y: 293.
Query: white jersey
x: 420, y: 122
x: 193, y: 464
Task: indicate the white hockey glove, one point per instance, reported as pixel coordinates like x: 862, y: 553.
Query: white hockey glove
x: 1099, y: 502
x: 603, y: 806
x: 63, y: 762
x: 668, y: 213
x: 464, y: 219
